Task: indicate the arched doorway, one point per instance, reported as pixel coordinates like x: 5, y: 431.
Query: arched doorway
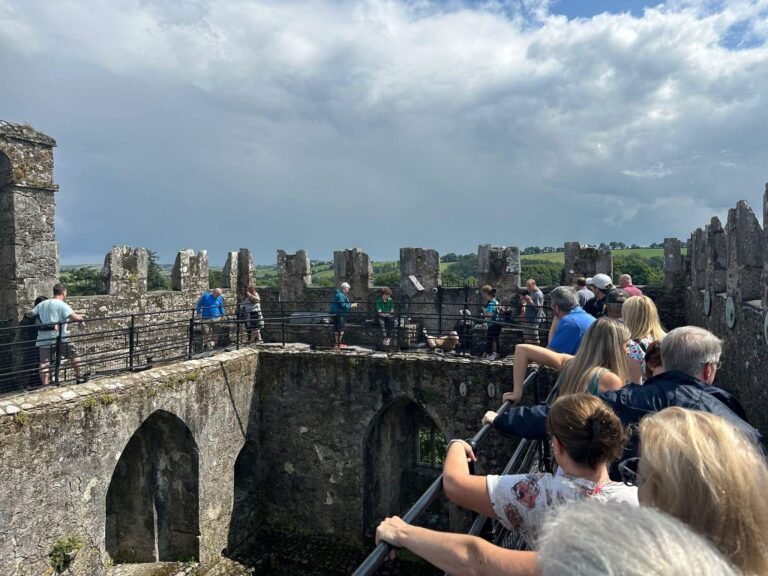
x: 153, y: 497
x: 403, y: 453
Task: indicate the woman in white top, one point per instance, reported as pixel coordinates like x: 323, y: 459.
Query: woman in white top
x: 586, y: 437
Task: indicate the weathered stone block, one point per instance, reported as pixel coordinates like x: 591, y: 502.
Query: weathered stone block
x: 190, y: 272
x: 745, y: 254
x: 716, y: 243
x: 586, y: 261
x: 697, y: 254
x: 353, y: 266
x: 246, y: 271
x: 229, y: 272
x: 294, y: 276
x: 499, y: 266
x: 422, y: 263
x: 125, y: 270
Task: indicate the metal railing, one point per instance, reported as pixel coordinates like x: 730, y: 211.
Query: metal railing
x: 379, y: 555
x: 132, y: 342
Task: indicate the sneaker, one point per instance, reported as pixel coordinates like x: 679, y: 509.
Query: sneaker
x: 386, y: 342
x: 492, y: 357
x: 484, y: 356
x: 83, y: 379
x: 342, y: 346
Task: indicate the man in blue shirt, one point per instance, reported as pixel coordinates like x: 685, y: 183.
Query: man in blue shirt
x: 210, y: 308
x: 340, y: 306
x: 570, y: 322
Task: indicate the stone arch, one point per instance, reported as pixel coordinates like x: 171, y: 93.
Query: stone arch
x: 153, y: 496
x: 245, y: 503
x: 394, y: 478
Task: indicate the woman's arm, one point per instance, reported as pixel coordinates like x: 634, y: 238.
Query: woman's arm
x: 609, y: 381
x: 457, y: 553
x: 635, y: 370
x: 461, y: 487
x: 525, y: 354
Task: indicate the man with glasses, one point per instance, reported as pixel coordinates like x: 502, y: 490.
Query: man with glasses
x: 690, y: 357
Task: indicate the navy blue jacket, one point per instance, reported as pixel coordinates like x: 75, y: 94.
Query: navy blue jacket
x: 634, y: 401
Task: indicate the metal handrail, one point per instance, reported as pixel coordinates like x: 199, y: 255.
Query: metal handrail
x: 376, y: 558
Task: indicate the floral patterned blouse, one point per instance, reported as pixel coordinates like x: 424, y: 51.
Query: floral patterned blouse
x: 521, y: 502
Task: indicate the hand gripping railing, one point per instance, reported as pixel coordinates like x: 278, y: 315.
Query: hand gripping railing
x: 376, y: 558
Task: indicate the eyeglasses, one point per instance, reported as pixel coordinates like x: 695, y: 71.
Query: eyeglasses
x: 628, y: 471
x: 718, y: 364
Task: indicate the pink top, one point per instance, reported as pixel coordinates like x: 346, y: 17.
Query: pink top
x: 633, y: 290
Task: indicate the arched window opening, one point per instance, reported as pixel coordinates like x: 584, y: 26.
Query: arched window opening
x: 153, y: 497
x: 403, y: 453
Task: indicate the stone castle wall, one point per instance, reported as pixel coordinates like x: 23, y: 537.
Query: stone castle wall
x: 721, y: 284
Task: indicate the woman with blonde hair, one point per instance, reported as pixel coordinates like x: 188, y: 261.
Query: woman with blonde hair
x: 586, y: 438
x: 640, y: 315
x: 700, y: 469
x: 599, y: 365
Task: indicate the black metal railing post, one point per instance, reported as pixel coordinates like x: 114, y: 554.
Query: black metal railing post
x: 57, y: 360
x: 282, y: 322
x: 190, y: 343
x: 131, y: 341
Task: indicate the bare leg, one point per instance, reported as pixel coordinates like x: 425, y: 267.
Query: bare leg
x: 44, y: 372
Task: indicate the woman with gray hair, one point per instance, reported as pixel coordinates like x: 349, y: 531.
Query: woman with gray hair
x: 582, y: 539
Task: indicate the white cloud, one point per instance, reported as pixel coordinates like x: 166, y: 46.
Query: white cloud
x: 343, y: 104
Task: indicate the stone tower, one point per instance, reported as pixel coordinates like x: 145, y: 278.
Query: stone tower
x: 29, y: 254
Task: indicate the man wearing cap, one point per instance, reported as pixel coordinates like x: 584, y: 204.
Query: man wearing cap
x: 600, y: 285
x: 339, y: 308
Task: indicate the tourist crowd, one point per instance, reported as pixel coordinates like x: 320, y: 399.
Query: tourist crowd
x: 657, y: 470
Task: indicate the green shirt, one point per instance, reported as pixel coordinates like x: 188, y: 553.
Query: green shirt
x: 385, y: 307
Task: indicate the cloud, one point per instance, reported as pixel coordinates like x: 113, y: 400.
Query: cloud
x: 385, y: 123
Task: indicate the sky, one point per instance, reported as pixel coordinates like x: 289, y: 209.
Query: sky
x: 378, y: 124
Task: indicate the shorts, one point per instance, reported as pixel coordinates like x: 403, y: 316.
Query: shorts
x: 338, y: 322
x: 68, y: 351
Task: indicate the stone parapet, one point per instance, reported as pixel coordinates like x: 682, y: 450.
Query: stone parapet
x: 354, y: 267
x: 190, y: 271
x: 499, y: 266
x: 586, y: 261
x: 745, y: 254
x: 125, y: 270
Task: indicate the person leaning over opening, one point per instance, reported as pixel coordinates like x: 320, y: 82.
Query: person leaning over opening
x: 580, y: 539
x: 706, y: 473
x: 598, y: 366
x: 690, y: 357
x: 586, y: 437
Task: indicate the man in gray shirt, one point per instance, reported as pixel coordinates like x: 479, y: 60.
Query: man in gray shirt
x: 584, y: 293
x: 533, y: 311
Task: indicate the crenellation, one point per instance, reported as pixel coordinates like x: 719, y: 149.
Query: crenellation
x: 125, y: 271
x: 745, y: 254
x: 716, y: 247
x: 229, y: 273
x: 354, y: 267
x: 499, y: 266
x: 586, y: 261
x: 674, y: 269
x: 190, y: 271
x: 246, y: 271
x: 294, y: 276
x: 698, y: 259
